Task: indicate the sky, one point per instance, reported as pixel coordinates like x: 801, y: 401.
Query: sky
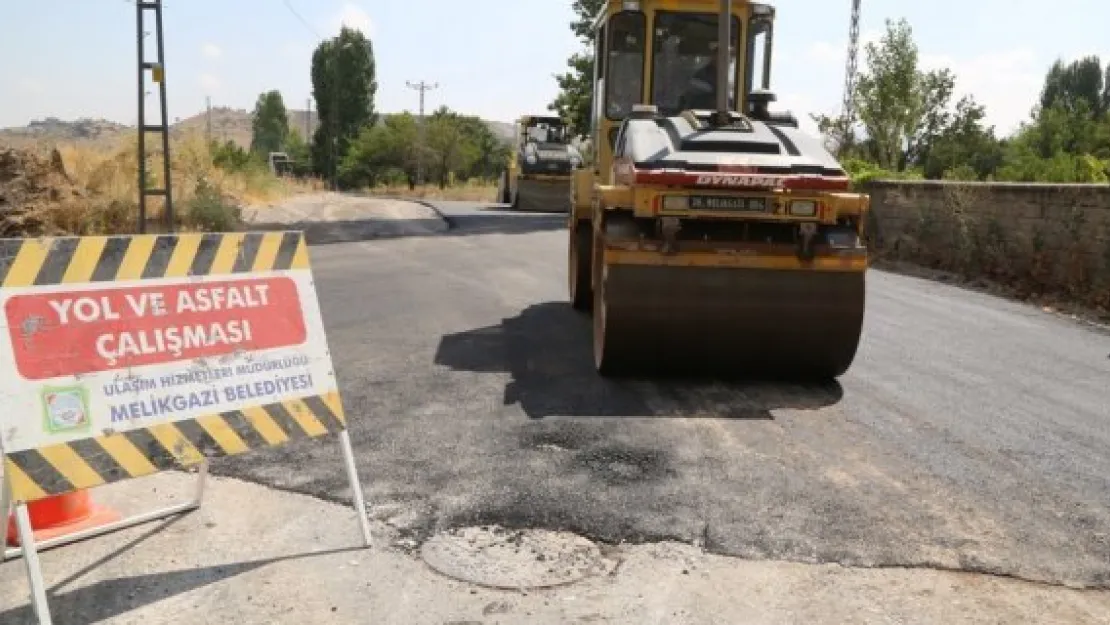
x: 492, y: 58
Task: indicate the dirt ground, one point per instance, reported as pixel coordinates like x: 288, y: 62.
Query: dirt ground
x: 257, y: 555
x: 30, y: 185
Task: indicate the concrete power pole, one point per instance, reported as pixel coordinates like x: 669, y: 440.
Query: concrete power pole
x: 422, y: 87
x: 208, y: 118
x: 307, y: 118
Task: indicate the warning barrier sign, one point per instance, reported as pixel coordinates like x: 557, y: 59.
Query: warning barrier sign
x: 129, y: 355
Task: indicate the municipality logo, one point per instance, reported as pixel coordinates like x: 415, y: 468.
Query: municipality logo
x: 65, y: 409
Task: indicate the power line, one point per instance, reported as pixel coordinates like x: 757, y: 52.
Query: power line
x: 300, y: 17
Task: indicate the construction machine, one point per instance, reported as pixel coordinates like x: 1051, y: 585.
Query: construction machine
x: 539, y: 171
x: 710, y: 235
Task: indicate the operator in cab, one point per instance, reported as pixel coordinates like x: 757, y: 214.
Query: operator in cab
x: 701, y: 90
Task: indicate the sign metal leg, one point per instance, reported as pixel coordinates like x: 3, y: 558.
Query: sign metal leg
x: 356, y: 487
x: 31, y: 560
x: 6, y: 510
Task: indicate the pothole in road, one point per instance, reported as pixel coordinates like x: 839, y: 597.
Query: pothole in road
x: 514, y: 559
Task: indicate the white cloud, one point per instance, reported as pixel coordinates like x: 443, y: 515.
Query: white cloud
x: 211, y: 50
x: 30, y: 87
x: 801, y: 105
x: 209, y: 82
x: 354, y: 16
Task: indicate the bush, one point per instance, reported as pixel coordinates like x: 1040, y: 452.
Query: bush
x: 210, y: 212
x: 862, y: 172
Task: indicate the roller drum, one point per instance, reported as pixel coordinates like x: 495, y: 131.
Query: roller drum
x: 727, y: 322
x: 550, y: 196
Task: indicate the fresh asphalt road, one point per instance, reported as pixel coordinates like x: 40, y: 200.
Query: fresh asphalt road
x: 971, y: 433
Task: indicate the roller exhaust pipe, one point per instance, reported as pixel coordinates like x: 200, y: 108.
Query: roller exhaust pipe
x: 724, y: 36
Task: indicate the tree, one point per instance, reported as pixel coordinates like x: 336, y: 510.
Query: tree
x: 299, y: 152
x: 492, y: 152
x: 344, y: 85
x: 381, y: 151
x: 270, y: 124
x: 1077, y: 85
x: 449, y: 146
x: 904, y: 110
x: 576, y: 86
x: 964, y: 145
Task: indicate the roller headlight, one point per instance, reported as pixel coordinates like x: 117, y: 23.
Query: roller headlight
x: 803, y: 208
x: 676, y: 203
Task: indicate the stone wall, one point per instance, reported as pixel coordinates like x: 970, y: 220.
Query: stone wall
x: 1041, y: 239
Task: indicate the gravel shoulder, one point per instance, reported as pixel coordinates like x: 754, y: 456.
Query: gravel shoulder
x: 336, y: 218
x: 296, y: 559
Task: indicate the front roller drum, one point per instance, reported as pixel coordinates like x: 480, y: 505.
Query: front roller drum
x: 726, y: 322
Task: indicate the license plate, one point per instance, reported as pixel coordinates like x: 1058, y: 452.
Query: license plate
x: 709, y: 202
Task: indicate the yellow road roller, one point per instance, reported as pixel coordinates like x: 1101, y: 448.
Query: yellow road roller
x: 538, y: 174
x: 710, y: 235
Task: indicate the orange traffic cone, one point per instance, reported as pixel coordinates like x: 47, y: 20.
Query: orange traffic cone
x: 62, y: 514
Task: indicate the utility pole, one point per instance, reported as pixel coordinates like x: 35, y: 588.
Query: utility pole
x: 333, y: 65
x: 848, y: 110
x: 158, y: 74
x: 422, y: 87
x: 208, y: 118
x: 307, y: 119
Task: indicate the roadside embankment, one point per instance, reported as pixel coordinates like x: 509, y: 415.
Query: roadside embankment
x: 335, y: 217
x: 1042, y: 242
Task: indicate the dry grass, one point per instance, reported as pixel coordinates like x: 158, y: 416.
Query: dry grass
x: 474, y: 192
x: 108, y: 178
x: 115, y: 174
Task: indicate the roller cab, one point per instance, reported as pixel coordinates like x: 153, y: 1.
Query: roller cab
x: 718, y: 238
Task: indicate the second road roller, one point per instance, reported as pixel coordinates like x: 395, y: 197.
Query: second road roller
x: 710, y: 235
x: 537, y: 176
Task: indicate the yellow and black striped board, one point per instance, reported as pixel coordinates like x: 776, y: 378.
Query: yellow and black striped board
x: 122, y: 356
x: 91, y: 462
x: 76, y: 260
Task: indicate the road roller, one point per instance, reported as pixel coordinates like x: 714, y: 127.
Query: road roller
x: 538, y: 174
x: 710, y: 235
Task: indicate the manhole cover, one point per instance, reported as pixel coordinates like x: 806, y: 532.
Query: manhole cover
x: 513, y: 559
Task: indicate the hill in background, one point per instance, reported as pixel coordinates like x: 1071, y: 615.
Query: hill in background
x: 226, y: 124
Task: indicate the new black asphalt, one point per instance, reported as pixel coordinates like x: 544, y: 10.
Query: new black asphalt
x: 971, y: 433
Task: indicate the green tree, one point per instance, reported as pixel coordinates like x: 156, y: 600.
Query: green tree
x: 299, y: 152
x: 451, y: 149
x: 964, y: 145
x: 905, y: 112
x: 492, y: 152
x: 1068, y: 138
x: 575, y: 86
x: 1079, y: 85
x: 344, y: 85
x: 269, y: 124
x: 381, y: 151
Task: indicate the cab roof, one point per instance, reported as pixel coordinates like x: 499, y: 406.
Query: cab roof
x: 690, y: 6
